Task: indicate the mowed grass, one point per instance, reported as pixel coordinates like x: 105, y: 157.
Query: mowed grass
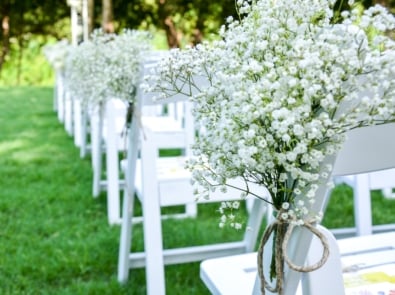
x: 54, y: 237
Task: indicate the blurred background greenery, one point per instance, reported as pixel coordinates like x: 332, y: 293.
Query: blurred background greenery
x: 27, y: 25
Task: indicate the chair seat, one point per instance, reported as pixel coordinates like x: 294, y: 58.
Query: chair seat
x: 173, y: 179
x: 161, y: 124
x: 172, y: 168
x: 175, y: 183
x: 230, y: 275
x: 109, y: 137
x: 236, y: 274
x: 367, y: 251
x: 375, y: 280
x: 154, y: 122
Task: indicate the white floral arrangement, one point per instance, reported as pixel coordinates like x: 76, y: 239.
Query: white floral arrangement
x: 57, y: 53
x: 282, y: 87
x: 107, y: 66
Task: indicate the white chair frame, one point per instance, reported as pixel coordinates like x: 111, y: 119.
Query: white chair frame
x: 155, y: 257
x: 366, y: 150
x: 107, y: 132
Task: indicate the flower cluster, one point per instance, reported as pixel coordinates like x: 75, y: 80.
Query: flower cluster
x: 227, y: 215
x: 57, y: 53
x: 282, y: 87
x: 106, y: 66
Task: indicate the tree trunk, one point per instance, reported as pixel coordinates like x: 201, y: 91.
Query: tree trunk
x: 91, y: 16
x: 20, y: 58
x: 384, y: 3
x: 108, y: 17
x: 5, y: 30
x: 172, y: 35
x: 197, y: 37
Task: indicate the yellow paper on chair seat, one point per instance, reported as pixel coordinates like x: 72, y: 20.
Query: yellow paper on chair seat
x: 173, y: 168
x: 378, y: 280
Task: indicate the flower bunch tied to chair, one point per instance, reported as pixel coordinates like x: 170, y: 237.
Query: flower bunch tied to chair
x: 107, y: 66
x: 285, y: 82
x: 56, y: 54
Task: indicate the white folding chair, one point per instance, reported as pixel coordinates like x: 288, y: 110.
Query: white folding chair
x: 96, y: 115
x: 68, y: 113
x: 366, y: 150
x: 236, y: 274
x: 107, y: 140
x: 162, y: 182
x: 114, y: 142
x: 108, y: 122
x: 108, y: 130
x: 72, y: 113
x: 59, y: 95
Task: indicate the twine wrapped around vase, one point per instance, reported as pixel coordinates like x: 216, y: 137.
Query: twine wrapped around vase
x: 283, y: 230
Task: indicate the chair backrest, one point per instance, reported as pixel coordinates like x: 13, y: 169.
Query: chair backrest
x: 367, y: 178
x: 145, y: 100
x: 366, y: 149
x: 154, y: 198
x: 181, y: 105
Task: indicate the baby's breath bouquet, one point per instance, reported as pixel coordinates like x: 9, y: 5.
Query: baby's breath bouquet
x: 57, y: 53
x: 282, y: 86
x: 106, y: 66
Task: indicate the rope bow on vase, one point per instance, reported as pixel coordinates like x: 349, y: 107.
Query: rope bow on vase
x: 282, y: 230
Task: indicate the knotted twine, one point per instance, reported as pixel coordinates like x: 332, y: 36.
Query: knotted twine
x: 283, y: 230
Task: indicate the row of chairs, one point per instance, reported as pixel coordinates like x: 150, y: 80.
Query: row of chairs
x: 158, y: 181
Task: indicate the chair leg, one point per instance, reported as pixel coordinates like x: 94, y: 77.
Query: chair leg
x: 84, y: 133
x: 128, y: 204
x: 77, y: 121
x: 126, y: 237
x: 58, y: 91
x: 96, y: 130
x: 328, y: 279
x: 113, y: 196
x: 112, y: 166
x: 362, y: 205
x: 155, y: 271
x: 68, y: 120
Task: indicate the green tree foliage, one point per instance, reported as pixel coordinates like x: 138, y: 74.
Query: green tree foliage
x: 23, y: 20
x: 31, y: 23
x: 183, y: 21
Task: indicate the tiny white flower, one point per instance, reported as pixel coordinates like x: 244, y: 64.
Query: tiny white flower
x: 238, y: 226
x: 235, y: 205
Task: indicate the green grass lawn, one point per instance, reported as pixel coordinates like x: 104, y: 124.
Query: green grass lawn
x: 54, y: 237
